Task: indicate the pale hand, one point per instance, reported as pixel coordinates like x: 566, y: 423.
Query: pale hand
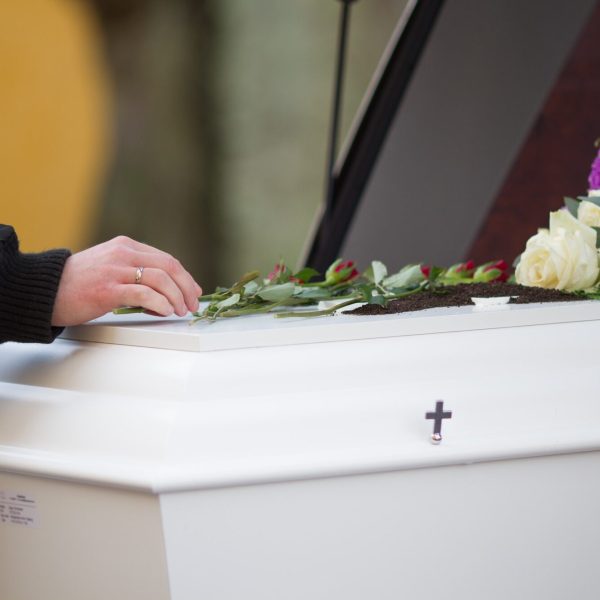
x: 102, y: 278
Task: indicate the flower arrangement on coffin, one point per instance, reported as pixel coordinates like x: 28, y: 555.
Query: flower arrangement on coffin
x: 284, y: 291
x: 565, y: 256
x: 341, y: 287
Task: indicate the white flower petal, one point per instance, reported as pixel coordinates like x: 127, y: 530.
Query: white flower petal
x: 563, y: 219
x: 563, y: 257
x: 588, y: 213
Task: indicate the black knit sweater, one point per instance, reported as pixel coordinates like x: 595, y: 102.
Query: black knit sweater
x: 28, y: 286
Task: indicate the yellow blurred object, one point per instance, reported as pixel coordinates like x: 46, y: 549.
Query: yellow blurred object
x: 54, y: 121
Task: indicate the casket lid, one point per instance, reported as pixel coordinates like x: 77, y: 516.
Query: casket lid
x: 258, y: 331
x: 455, y: 94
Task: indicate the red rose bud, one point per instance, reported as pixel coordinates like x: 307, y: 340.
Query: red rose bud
x: 466, y: 267
x: 341, y: 271
x: 279, y: 268
x: 426, y: 270
x: 492, y: 271
x: 502, y: 267
x: 281, y: 274
x: 461, y: 270
x: 346, y: 270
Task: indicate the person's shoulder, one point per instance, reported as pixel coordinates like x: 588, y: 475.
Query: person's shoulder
x: 6, y: 233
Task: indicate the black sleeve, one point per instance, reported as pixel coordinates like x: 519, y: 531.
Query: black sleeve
x: 28, y: 286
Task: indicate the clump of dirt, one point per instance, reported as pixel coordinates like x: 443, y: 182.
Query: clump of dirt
x: 461, y: 294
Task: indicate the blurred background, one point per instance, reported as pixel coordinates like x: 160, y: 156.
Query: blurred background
x: 197, y: 126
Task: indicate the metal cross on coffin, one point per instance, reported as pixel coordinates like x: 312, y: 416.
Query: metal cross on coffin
x: 438, y: 416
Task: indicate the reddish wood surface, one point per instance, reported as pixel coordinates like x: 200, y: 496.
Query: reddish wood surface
x: 555, y: 158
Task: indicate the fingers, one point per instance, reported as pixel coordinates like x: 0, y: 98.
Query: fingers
x: 162, y: 283
x: 101, y: 278
x: 175, y: 282
x: 132, y: 294
x: 171, y: 269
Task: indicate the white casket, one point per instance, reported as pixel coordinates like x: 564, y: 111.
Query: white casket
x: 262, y: 459
x: 257, y: 458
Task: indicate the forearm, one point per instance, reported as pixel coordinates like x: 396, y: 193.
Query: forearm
x: 28, y: 288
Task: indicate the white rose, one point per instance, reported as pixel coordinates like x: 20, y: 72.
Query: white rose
x: 593, y: 192
x: 563, y: 257
x: 589, y: 213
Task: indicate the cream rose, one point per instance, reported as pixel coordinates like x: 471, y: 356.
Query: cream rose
x: 563, y: 257
x: 589, y: 213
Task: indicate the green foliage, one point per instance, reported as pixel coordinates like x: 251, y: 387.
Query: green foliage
x: 277, y: 292
x: 572, y: 205
x: 283, y: 293
x: 407, y: 276
x: 306, y: 274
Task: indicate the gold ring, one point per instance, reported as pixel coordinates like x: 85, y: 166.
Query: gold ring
x: 138, y: 274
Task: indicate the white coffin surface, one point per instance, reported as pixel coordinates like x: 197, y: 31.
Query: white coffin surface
x: 262, y: 458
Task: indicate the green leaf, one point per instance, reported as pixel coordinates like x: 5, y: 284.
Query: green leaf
x: 237, y: 287
x: 572, y: 205
x: 405, y: 290
x: 377, y: 299
x: 407, y: 276
x: 231, y: 301
x: 306, y: 274
x: 275, y: 293
x: 370, y: 294
x: 379, y: 271
x: 434, y: 273
x: 368, y: 274
x: 312, y: 293
x: 251, y: 288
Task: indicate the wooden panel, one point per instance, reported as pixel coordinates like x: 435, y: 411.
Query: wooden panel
x: 555, y: 159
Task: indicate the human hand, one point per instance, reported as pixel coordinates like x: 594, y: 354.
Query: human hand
x: 101, y: 278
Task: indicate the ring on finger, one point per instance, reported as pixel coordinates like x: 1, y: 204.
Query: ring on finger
x: 138, y: 274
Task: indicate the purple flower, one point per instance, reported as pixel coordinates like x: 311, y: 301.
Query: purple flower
x: 594, y: 178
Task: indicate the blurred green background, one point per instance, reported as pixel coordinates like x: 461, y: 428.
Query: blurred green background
x: 223, y: 110
x: 213, y: 133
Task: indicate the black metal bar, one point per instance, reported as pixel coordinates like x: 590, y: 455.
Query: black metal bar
x: 336, y: 104
x: 353, y: 175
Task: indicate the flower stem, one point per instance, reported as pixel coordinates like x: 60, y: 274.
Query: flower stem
x: 128, y: 310
x: 319, y: 313
x: 233, y: 312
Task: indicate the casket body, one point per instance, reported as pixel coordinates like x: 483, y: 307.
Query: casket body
x: 269, y: 459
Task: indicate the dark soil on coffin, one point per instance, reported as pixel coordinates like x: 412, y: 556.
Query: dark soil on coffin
x: 460, y: 295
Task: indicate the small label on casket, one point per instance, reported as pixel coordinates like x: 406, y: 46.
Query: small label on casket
x: 18, y: 509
